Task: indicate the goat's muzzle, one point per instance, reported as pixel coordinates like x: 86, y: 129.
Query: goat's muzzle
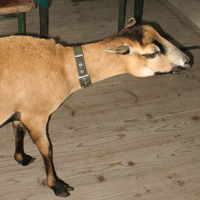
x: 178, y: 69
x: 181, y: 69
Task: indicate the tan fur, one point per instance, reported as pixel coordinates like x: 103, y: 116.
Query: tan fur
x: 37, y: 75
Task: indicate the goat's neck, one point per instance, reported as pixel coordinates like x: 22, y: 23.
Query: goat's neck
x: 101, y: 64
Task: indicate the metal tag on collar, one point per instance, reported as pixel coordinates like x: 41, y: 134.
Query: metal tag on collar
x: 84, y: 77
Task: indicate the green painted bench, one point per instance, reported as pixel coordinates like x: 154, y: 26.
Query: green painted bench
x: 19, y: 9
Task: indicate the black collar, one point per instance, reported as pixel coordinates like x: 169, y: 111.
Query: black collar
x: 84, y: 77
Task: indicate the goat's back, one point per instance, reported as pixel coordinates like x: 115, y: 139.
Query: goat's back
x: 32, y: 75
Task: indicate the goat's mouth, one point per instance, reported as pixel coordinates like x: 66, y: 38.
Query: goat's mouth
x: 175, y: 70
x: 179, y: 69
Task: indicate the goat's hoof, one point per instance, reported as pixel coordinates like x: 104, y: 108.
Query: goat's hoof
x: 26, y: 160
x: 61, y: 188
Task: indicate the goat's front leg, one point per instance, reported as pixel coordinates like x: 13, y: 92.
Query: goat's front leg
x: 41, y: 139
x: 19, y: 155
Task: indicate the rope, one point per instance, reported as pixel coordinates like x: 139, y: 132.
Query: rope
x: 189, y: 48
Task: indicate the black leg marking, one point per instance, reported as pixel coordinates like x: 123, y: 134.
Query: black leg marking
x: 20, y: 156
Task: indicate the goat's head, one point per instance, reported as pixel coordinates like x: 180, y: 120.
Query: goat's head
x: 150, y: 53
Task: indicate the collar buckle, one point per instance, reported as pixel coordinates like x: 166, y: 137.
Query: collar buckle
x: 84, y: 80
x: 84, y: 77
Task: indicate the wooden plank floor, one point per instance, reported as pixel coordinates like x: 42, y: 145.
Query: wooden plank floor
x: 124, y: 138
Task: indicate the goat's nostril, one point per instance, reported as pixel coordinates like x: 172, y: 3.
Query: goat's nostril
x: 186, y: 62
x: 187, y: 59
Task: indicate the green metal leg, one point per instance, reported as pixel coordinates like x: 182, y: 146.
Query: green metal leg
x: 44, y: 21
x: 138, y: 10
x: 122, y: 14
x: 22, y: 23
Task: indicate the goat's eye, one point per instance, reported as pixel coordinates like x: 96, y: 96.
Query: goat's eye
x: 151, y: 55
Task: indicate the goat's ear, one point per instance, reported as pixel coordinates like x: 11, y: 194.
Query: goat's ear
x: 125, y: 49
x: 131, y: 22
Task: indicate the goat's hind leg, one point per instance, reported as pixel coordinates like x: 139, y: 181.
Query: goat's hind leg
x: 20, y: 156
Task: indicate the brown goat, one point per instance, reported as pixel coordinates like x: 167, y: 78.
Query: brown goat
x: 37, y: 75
